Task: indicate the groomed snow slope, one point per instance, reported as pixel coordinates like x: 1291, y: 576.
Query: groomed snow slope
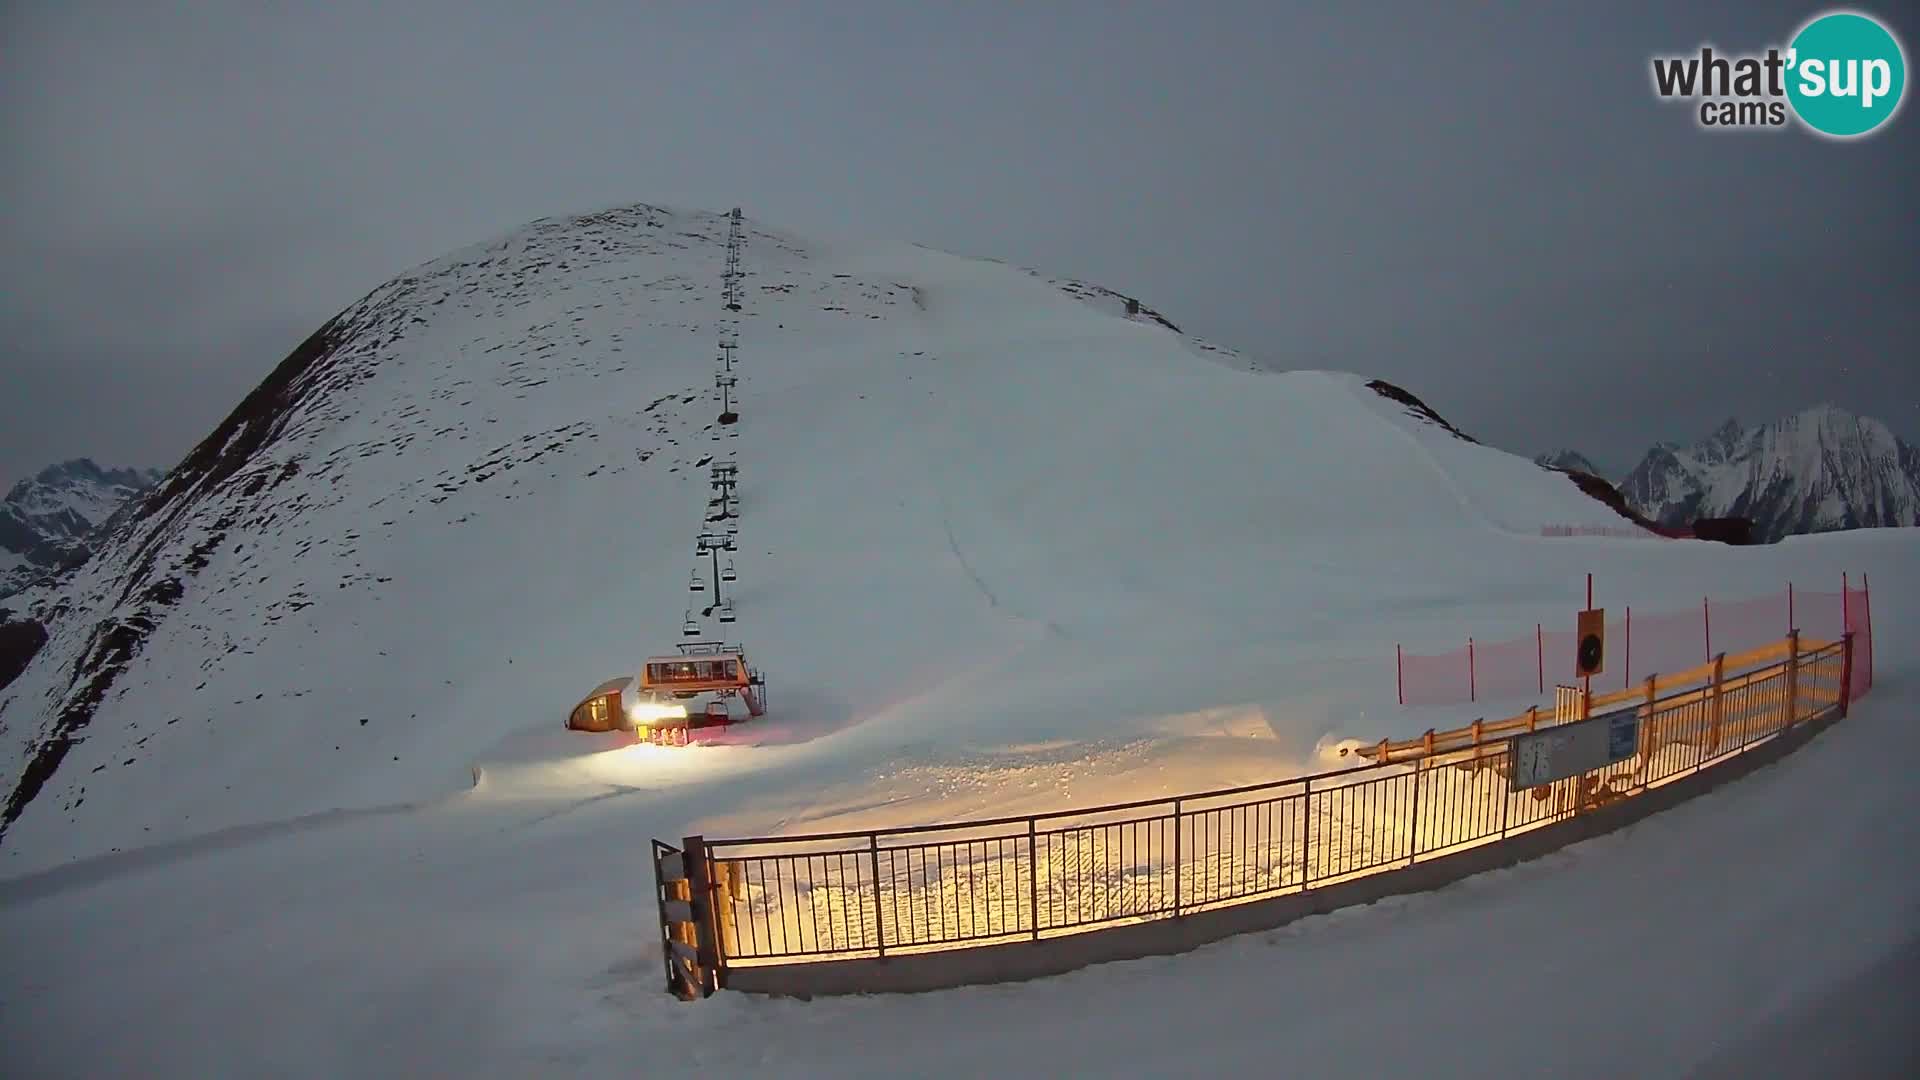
x: 978, y: 510
x: 1003, y: 550
x: 1766, y: 929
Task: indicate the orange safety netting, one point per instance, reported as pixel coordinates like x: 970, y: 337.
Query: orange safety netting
x: 1638, y: 645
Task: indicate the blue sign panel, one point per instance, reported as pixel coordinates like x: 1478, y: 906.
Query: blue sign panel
x: 1623, y: 734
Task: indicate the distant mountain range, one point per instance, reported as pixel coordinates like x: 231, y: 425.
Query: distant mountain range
x: 1819, y: 470
x: 47, y: 520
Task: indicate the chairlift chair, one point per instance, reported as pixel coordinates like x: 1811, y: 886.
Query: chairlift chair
x: 690, y: 628
x: 726, y: 611
x: 727, y: 572
x: 696, y: 585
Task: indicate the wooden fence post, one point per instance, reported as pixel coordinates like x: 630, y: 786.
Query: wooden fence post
x: 1846, y: 672
x: 879, y: 921
x: 1033, y: 870
x: 1715, y: 704
x: 700, y: 896
x: 1793, y: 678
x: 1653, y: 743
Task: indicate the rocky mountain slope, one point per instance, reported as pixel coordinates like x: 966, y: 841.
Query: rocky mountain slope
x: 47, y: 519
x: 1568, y: 461
x: 1820, y: 470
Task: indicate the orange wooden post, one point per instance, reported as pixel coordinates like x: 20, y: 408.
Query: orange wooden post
x: 1793, y: 678
x: 1653, y: 743
x: 1846, y: 671
x: 1716, y: 705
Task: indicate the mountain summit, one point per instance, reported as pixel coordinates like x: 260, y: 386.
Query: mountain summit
x: 1820, y: 470
x: 976, y: 507
x: 46, y: 519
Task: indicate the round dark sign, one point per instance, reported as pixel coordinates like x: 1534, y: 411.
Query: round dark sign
x: 1589, y: 652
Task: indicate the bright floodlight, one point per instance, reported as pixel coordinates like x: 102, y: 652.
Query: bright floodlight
x: 652, y: 712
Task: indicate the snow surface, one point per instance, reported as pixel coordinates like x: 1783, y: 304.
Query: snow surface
x: 506, y: 934
x: 1002, y: 550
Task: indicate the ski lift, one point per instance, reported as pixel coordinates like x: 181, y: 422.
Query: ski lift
x: 696, y: 585
x: 690, y: 628
x: 726, y: 611
x: 728, y: 573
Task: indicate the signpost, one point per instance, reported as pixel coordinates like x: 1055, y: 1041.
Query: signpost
x: 1564, y: 750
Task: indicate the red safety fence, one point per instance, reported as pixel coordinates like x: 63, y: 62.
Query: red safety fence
x: 1638, y: 645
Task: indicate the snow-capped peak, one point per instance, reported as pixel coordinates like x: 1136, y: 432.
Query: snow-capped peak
x: 47, y: 519
x: 1820, y: 469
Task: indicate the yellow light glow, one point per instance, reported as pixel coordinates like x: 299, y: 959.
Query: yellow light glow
x: 649, y: 712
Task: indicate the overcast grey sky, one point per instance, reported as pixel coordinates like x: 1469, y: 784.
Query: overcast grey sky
x: 1485, y: 204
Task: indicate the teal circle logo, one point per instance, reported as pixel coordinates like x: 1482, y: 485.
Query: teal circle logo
x: 1846, y: 74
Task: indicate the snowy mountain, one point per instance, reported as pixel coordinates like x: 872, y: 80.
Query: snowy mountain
x: 290, y: 795
x: 1568, y: 461
x: 46, y: 519
x: 474, y: 494
x: 1820, y: 470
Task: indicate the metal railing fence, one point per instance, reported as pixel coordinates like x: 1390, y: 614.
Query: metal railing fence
x: 884, y: 892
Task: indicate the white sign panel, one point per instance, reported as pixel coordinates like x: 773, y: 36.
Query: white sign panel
x: 1541, y: 757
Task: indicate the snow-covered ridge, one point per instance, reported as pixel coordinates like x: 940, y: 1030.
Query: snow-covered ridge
x: 1568, y: 461
x: 1819, y: 470
x: 984, y: 508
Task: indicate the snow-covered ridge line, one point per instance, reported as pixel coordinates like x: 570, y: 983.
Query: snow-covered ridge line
x: 1819, y: 470
x: 461, y: 503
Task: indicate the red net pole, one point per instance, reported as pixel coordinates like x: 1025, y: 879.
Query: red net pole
x: 1540, y: 654
x: 1399, y: 675
x: 1473, y: 691
x: 1866, y: 599
x: 1628, y: 674
x: 1706, y: 623
x: 1790, y: 623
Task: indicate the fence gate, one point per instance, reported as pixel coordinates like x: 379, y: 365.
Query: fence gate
x: 686, y: 937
